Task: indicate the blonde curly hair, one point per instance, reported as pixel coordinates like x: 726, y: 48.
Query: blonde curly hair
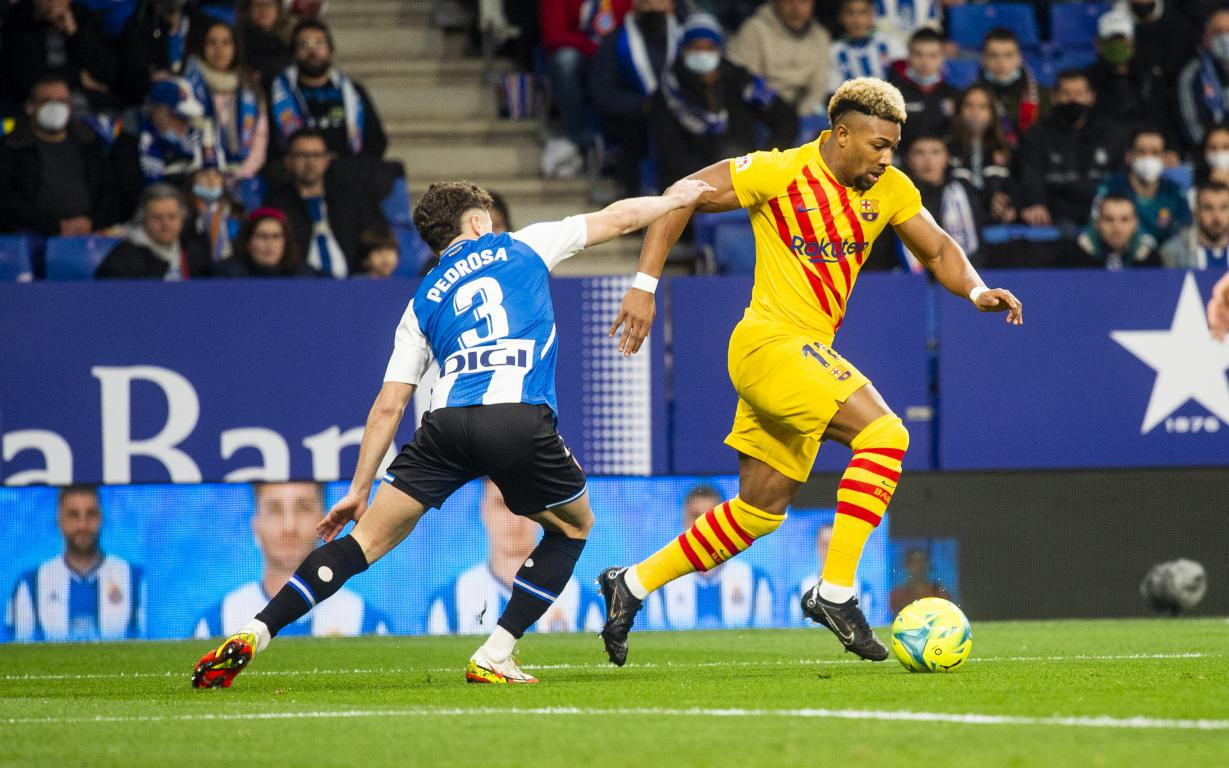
x: 870, y: 96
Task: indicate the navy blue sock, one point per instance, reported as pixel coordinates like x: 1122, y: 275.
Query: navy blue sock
x: 319, y: 577
x: 540, y: 580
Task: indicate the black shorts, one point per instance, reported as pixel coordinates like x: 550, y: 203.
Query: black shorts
x: 516, y: 444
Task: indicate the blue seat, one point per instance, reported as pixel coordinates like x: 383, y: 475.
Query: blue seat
x: 967, y: 25
x: 704, y: 226
x: 113, y: 13
x: 77, y: 258
x: 15, y: 265
x: 1042, y: 67
x: 1004, y: 233
x: 251, y: 192
x: 396, y: 205
x: 1072, y: 58
x: 412, y: 251
x: 1182, y: 175
x: 1075, y: 24
x: 734, y: 249
x: 810, y: 126
x: 962, y: 73
x: 220, y: 12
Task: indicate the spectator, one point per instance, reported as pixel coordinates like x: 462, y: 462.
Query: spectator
x: 783, y: 44
x: 979, y: 151
x: 265, y: 247
x: 732, y: 14
x: 264, y: 37
x: 625, y: 71
x: 861, y: 51
x: 156, y: 246
x: 1203, y: 85
x: 708, y: 109
x: 1163, y: 39
x: 1114, y: 241
x: 1159, y: 203
x: 571, y: 32
x: 169, y: 143
x: 153, y: 45
x: 379, y: 253
x: 1126, y: 92
x: 325, y: 204
x: 1212, y: 161
x: 1019, y: 98
x: 1205, y: 244
x: 53, y: 173
x: 312, y: 93
x: 55, y: 37
x: 732, y: 594
x: 231, y: 98
x: 919, y: 583
x: 1065, y: 157
x: 478, y: 594
x: 929, y: 100
x: 83, y: 593
x: 215, y: 214
x: 284, y: 518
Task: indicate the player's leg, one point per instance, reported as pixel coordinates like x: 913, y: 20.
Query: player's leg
x: 389, y: 519
x: 879, y: 441
x: 546, y: 485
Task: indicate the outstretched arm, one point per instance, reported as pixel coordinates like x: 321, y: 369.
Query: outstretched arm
x: 623, y: 217
x: 638, y: 309
x: 382, y: 423
x: 945, y: 258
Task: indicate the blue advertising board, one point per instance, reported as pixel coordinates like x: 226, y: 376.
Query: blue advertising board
x: 1108, y: 370
x: 885, y: 335
x: 234, y: 381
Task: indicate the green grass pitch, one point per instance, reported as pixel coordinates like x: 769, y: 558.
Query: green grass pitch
x: 1088, y: 693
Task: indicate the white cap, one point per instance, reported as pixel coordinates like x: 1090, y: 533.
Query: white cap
x: 1116, y: 23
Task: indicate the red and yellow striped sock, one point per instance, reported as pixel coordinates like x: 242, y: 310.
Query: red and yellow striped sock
x: 863, y: 495
x: 718, y: 535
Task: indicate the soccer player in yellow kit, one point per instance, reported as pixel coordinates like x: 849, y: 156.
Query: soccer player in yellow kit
x: 815, y: 210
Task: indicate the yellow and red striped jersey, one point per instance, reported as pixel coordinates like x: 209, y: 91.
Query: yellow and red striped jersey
x: 812, y: 234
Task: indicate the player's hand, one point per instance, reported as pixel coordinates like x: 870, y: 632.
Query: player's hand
x: 687, y: 192
x: 636, y: 316
x: 1002, y: 300
x: 349, y: 508
x: 1218, y: 309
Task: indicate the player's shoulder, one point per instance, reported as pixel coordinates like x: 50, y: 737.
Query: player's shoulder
x: 773, y: 160
x: 894, y: 179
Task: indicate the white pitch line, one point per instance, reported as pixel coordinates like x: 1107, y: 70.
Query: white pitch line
x: 601, y: 665
x: 1130, y: 723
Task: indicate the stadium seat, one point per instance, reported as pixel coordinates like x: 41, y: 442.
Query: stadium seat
x: 734, y: 249
x: 967, y: 25
x: 1042, y: 67
x: 396, y: 205
x: 15, y: 266
x: 810, y: 126
x: 251, y: 192
x: 220, y: 12
x: 1004, y: 233
x: 1182, y: 175
x: 962, y: 73
x: 114, y: 14
x: 1072, y: 58
x: 412, y: 251
x: 1075, y: 24
x: 77, y: 258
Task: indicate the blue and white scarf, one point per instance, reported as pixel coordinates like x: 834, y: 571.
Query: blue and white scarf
x: 693, y: 117
x: 633, y: 55
x: 290, y: 111
x: 164, y: 154
x: 237, y: 138
x: 1213, y: 91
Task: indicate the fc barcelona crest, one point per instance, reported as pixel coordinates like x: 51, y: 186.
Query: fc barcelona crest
x: 869, y: 210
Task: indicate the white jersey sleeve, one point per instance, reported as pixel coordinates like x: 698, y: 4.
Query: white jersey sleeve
x: 555, y: 241
x: 411, y: 351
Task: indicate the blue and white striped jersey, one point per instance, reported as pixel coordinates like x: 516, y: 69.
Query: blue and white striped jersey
x: 53, y: 602
x: 485, y: 316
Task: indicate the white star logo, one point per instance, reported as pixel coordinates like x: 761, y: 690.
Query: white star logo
x: 1189, y: 363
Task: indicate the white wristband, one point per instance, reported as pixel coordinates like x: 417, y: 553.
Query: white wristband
x: 645, y: 282
x: 978, y: 291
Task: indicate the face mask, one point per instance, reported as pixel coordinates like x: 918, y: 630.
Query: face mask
x: 1007, y: 80
x: 314, y: 70
x: 1147, y: 168
x: 1219, y: 47
x: 52, y: 116
x: 1068, y: 114
x: 208, y: 194
x: 701, y: 62
x: 1219, y: 159
x: 1117, y: 52
x: 923, y: 80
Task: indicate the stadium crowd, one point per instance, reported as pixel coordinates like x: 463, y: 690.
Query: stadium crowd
x: 222, y: 139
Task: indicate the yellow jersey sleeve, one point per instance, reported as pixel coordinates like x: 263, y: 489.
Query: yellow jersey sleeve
x: 903, y: 196
x: 761, y: 176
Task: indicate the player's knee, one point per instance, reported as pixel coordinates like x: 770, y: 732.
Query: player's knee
x: 754, y: 521
x: 885, y: 432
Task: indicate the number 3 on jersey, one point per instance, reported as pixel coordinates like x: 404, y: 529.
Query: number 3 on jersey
x: 489, y: 296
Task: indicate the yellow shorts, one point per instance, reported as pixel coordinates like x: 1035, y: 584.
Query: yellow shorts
x: 789, y: 387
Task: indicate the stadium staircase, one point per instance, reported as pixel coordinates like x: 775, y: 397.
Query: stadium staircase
x: 442, y: 119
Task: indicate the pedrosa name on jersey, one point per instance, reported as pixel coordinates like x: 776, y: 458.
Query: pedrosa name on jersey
x: 462, y: 267
x: 826, y: 250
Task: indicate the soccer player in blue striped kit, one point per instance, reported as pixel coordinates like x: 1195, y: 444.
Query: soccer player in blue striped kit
x: 485, y: 314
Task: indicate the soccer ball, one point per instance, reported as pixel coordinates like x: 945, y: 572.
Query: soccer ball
x: 931, y: 635
x: 1178, y: 585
